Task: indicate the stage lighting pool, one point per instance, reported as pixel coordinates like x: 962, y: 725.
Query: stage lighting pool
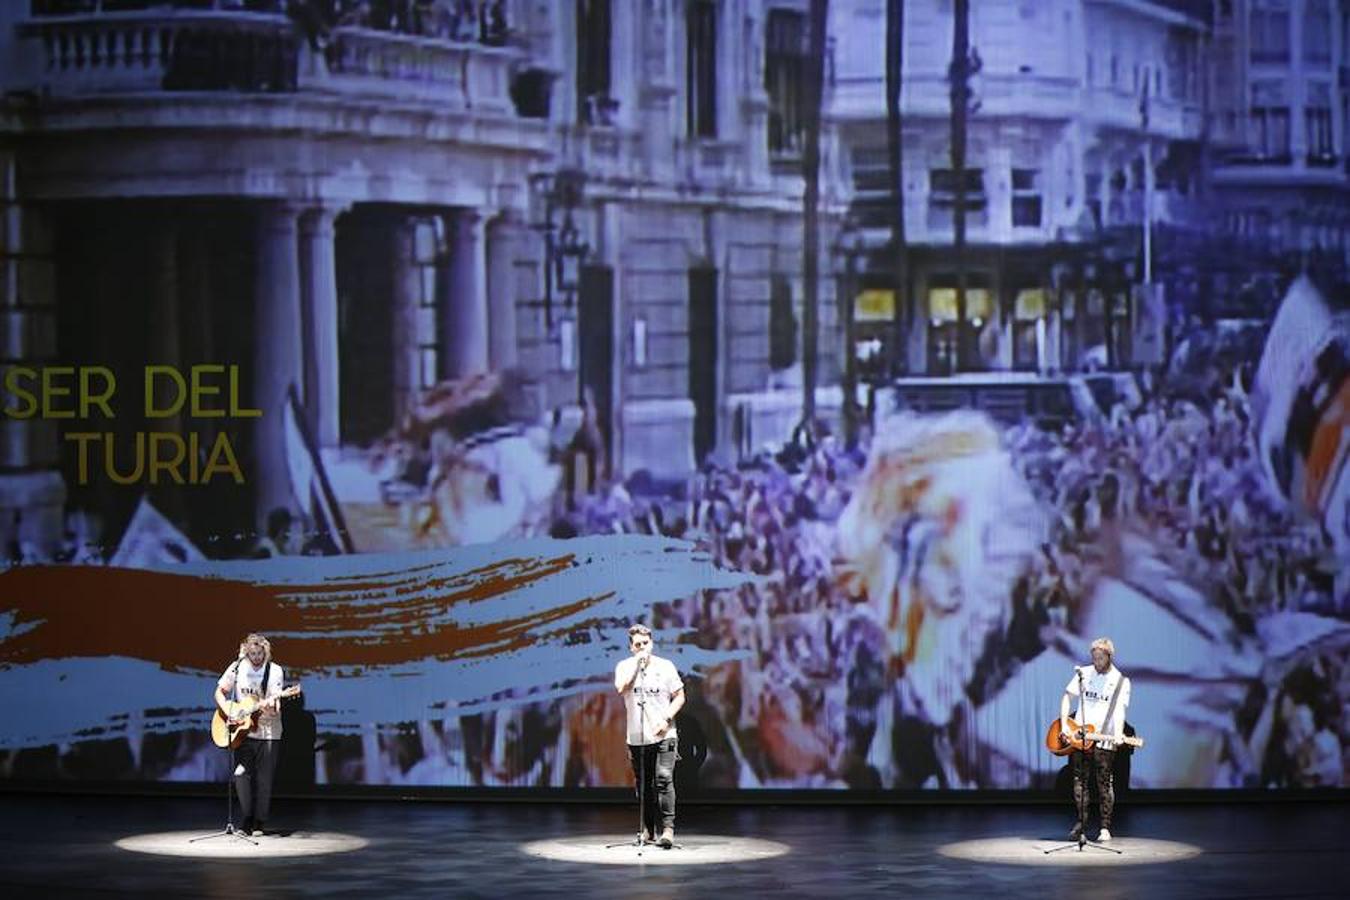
x: 1025, y: 851
x: 300, y: 843
x: 689, y: 850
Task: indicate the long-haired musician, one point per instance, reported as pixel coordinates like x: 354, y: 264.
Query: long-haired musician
x: 254, y: 674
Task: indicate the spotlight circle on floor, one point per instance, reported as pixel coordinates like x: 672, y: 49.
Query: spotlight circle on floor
x: 689, y: 850
x: 1025, y: 851
x: 301, y: 843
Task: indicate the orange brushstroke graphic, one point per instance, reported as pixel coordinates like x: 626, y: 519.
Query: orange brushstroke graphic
x: 189, y: 622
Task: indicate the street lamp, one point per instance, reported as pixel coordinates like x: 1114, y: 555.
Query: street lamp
x: 564, y: 248
x: 848, y: 250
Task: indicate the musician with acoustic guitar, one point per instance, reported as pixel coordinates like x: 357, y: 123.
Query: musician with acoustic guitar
x: 1102, y: 701
x: 248, y: 700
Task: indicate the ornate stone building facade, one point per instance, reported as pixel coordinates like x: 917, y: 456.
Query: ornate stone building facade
x: 359, y: 200
x: 1079, y: 106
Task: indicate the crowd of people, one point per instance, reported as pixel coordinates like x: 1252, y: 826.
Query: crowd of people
x: 804, y: 709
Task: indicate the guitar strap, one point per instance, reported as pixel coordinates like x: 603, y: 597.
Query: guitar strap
x: 234, y: 691
x: 267, y: 675
x: 1111, y: 710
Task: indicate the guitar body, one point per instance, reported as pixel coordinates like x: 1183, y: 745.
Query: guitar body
x: 1059, y: 745
x: 242, y: 713
x: 231, y: 727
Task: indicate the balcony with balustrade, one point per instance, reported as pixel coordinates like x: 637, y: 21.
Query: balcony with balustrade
x: 73, y: 50
x: 223, y: 97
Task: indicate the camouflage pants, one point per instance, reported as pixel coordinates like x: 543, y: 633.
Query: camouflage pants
x: 1083, y: 765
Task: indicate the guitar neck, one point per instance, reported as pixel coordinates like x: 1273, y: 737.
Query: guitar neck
x: 1117, y: 739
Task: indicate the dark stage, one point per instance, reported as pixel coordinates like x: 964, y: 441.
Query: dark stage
x: 67, y: 846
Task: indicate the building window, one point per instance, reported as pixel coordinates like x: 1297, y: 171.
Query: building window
x: 1026, y: 198
x: 942, y: 200
x: 1270, y: 121
x: 1270, y: 130
x: 785, y: 80
x: 872, y: 187
x: 1317, y: 28
x: 594, y: 104
x: 1181, y: 63
x: 1321, y: 149
x: 942, y: 188
x: 1270, y: 32
x: 782, y: 324
x: 700, y: 82
x: 1317, y: 123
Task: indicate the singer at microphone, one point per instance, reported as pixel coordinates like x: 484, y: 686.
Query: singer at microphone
x: 652, y: 695
x: 1103, y: 694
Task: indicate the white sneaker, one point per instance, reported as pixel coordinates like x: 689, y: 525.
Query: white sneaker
x: 1104, y: 836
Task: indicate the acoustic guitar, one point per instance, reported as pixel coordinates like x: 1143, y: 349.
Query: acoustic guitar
x: 1059, y: 745
x: 230, y: 726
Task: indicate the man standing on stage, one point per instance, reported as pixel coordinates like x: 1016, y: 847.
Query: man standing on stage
x: 652, y: 694
x: 1102, y: 701
x: 254, y: 674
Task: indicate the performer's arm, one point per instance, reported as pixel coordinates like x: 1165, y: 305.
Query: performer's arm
x: 221, y: 700
x: 625, y: 673
x: 224, y: 686
x: 676, y: 704
x: 1071, y: 690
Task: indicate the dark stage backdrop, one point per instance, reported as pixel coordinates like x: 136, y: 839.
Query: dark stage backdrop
x: 902, y: 615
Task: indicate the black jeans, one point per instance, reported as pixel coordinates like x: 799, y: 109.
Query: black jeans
x: 259, y: 759
x: 656, y: 764
x: 1102, y: 761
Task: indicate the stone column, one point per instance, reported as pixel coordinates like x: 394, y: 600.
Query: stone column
x: 405, y: 282
x: 999, y: 180
x: 504, y: 235
x: 656, y: 94
x: 318, y: 292
x: 463, y: 307
x: 32, y: 492
x: 197, y: 284
x: 165, y: 344
x: 1108, y: 194
x: 755, y: 103
x: 278, y: 347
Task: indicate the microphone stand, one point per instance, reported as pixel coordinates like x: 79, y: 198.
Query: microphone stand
x: 1079, y: 764
x: 641, y: 701
x: 229, y: 829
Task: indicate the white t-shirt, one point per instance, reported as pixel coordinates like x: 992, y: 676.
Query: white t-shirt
x: 1097, y: 690
x: 250, y: 685
x: 656, y: 687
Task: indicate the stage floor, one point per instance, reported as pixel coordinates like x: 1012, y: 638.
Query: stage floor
x: 390, y: 850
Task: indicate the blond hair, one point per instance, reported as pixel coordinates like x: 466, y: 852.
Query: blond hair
x: 256, y: 640
x: 1104, y: 644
